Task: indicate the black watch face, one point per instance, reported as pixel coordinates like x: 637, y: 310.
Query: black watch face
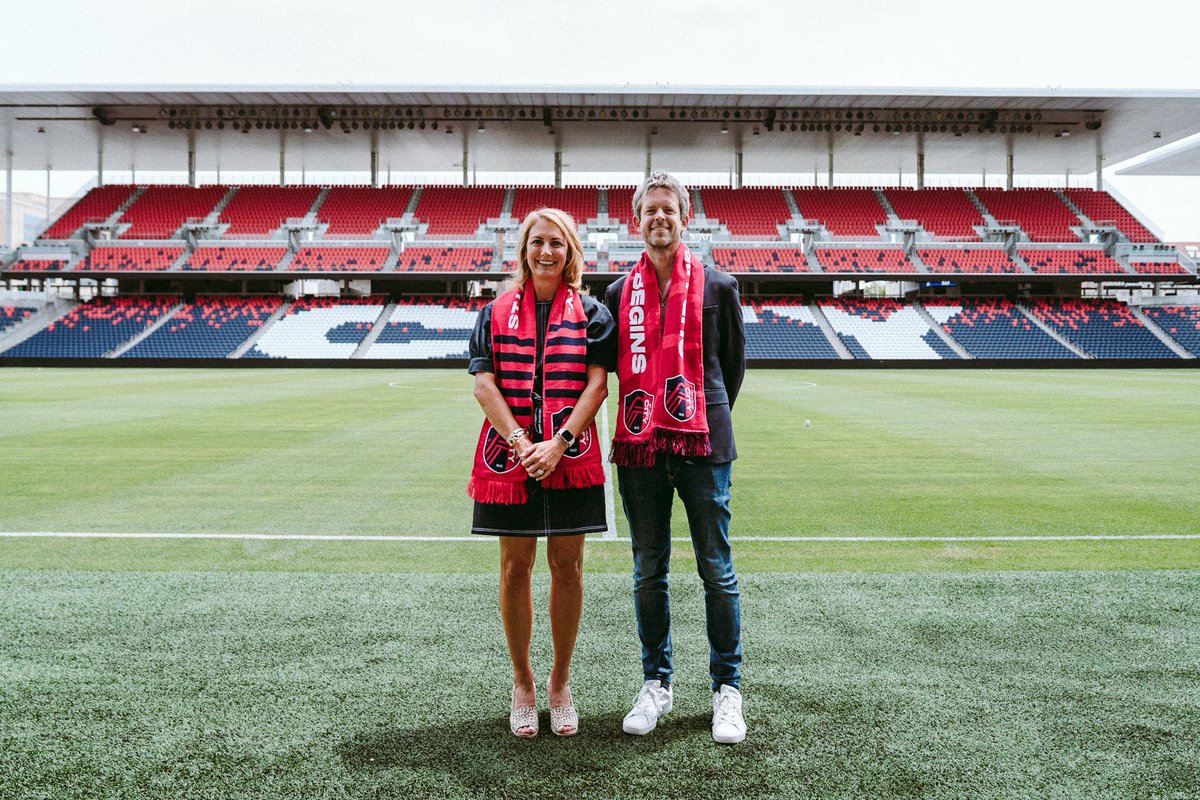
x: 576, y: 445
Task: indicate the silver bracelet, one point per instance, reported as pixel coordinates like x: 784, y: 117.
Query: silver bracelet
x: 512, y: 437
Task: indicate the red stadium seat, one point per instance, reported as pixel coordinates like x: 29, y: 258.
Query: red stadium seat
x: 95, y: 206
x: 863, y: 259
x: 360, y: 210
x: 843, y: 212
x: 160, y: 211
x: 458, y: 210
x: 258, y: 211
x: 1039, y: 212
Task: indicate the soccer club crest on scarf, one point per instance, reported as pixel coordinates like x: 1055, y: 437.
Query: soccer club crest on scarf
x: 498, y: 456
x: 583, y: 441
x: 679, y: 398
x: 636, y: 411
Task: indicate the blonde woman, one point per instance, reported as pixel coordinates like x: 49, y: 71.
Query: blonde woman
x: 540, y: 355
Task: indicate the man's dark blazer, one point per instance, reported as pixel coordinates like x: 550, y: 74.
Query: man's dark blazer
x: 724, y: 354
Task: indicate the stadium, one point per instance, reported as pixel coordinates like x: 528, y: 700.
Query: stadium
x: 233, y: 550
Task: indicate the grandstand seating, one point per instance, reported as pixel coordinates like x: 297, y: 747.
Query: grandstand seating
x: 339, y: 259
x: 1101, y: 207
x: 878, y: 328
x: 623, y: 260
x: 445, y: 259
x: 1104, y: 328
x: 319, y: 327
x: 578, y: 201
x: 131, y: 258
x: 11, y: 316
x: 965, y: 260
x: 38, y: 265
x: 95, y: 206
x: 159, y: 211
x: 1158, y: 268
x: 458, y: 210
x: 942, y: 212
x: 772, y: 259
x: 783, y: 327
x: 1074, y: 262
x: 235, y: 259
x: 210, y: 327
x: 620, y: 206
x: 863, y: 259
x: 843, y: 212
x: 1040, y: 213
x: 428, y: 327
x: 747, y: 212
x: 993, y: 328
x: 94, y: 328
x: 1181, y: 323
x: 260, y: 210
x: 358, y: 211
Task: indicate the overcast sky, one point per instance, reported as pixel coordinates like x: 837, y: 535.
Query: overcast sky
x: 927, y: 44
x: 921, y: 43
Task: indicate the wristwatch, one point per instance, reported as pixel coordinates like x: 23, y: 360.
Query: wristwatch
x: 567, y: 437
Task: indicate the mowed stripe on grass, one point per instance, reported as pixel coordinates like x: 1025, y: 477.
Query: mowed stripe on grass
x: 920, y: 454
x: 998, y: 685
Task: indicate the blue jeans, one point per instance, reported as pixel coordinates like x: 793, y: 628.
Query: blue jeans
x: 647, y: 494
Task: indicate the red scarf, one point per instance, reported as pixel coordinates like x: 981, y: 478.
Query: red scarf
x: 497, y: 476
x: 660, y: 365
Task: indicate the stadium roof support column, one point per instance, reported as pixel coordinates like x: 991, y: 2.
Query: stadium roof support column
x: 1099, y: 165
x: 282, y: 158
x: 1008, y: 144
x: 739, y: 160
x: 920, y: 160
x: 99, y: 158
x: 374, y: 159
x: 558, y: 165
x: 829, y: 143
x: 466, y: 155
x: 10, y: 237
x: 191, y: 159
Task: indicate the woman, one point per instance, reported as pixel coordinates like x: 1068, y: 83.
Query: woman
x: 540, y: 355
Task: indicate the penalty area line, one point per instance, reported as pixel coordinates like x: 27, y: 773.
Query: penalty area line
x: 604, y: 538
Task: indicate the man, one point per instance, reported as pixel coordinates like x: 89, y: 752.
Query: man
x: 681, y: 358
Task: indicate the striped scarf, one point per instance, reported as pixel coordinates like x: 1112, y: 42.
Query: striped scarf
x: 497, y: 476
x: 660, y: 365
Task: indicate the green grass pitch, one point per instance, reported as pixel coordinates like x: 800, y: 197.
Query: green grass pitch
x: 135, y: 668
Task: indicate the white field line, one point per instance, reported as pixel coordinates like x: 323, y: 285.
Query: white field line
x: 602, y: 538
x: 610, y: 505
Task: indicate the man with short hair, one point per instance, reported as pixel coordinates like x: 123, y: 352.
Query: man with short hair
x: 681, y: 358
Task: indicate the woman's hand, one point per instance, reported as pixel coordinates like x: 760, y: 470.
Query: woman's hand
x: 542, y: 456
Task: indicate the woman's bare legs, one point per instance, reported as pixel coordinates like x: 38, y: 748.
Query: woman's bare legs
x: 564, y: 554
x: 516, y: 611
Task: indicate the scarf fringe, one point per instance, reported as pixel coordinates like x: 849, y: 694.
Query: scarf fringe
x: 682, y: 443
x: 575, y: 477
x: 643, y: 454
x: 632, y: 454
x: 500, y: 493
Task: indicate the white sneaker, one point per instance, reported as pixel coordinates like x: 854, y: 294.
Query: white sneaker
x: 652, y: 701
x: 728, y: 726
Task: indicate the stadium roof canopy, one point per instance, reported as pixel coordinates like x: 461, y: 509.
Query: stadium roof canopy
x: 519, y: 129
